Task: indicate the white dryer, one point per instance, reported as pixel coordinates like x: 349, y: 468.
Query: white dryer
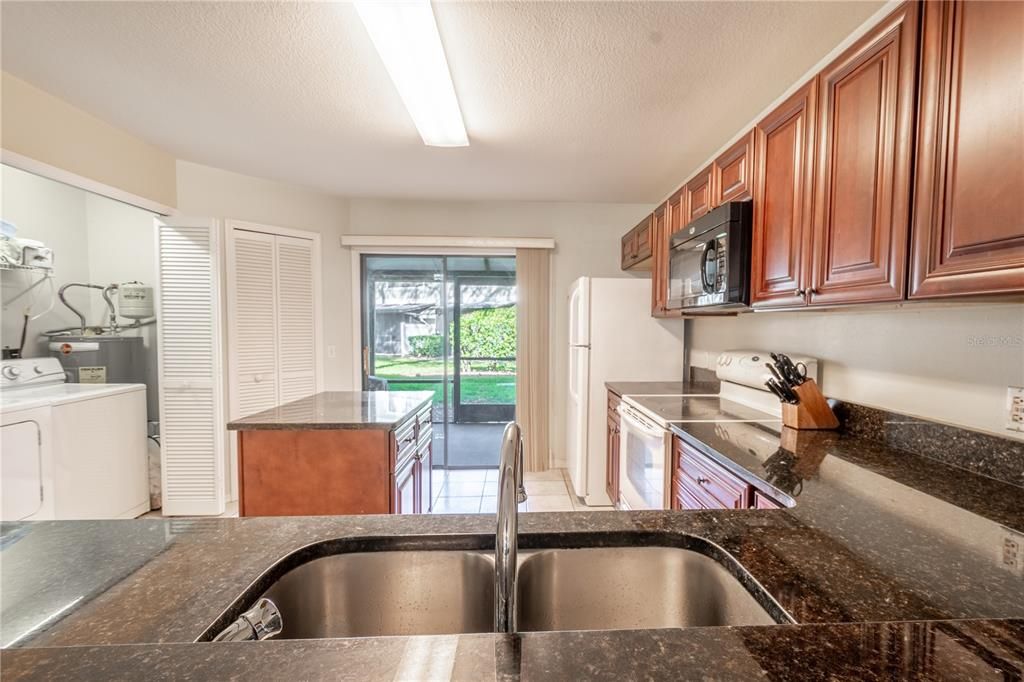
x: 92, y: 448
x: 26, y: 458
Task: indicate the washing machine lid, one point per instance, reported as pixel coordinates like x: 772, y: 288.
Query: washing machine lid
x: 62, y: 394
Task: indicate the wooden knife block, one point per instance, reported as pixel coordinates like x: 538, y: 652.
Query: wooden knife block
x: 812, y: 412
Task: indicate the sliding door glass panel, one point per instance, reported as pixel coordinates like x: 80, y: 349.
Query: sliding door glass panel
x: 446, y: 325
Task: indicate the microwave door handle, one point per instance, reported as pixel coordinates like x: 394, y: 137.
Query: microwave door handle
x: 709, y: 248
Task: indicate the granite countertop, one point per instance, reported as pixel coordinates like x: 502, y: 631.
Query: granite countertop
x: 877, y: 537
x: 950, y: 650
x: 339, y: 410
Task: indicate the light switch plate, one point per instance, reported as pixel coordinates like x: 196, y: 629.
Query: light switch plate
x: 1015, y: 408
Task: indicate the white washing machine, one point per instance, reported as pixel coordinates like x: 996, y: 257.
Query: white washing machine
x: 91, y: 453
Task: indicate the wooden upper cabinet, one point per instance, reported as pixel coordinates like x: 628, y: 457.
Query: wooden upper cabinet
x: 862, y: 171
x: 677, y: 211
x: 783, y: 150
x: 637, y: 246
x: 659, y: 261
x: 733, y: 172
x: 698, y: 196
x: 968, y: 227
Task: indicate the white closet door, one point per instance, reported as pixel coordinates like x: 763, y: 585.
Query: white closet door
x: 253, y: 356
x: 193, y: 435
x: 297, y: 338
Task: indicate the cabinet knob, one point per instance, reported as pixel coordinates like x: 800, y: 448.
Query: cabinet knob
x: 702, y: 481
x: 800, y: 292
x: 258, y: 378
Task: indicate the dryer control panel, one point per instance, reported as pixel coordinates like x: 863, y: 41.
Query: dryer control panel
x: 31, y: 372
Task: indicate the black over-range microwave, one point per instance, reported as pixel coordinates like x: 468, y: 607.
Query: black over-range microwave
x: 709, y: 261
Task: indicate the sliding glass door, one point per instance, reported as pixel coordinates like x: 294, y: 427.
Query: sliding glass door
x: 445, y: 324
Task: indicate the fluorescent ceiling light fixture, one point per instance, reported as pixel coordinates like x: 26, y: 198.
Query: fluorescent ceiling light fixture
x: 405, y: 35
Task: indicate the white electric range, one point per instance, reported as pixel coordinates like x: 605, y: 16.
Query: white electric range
x: 645, y: 455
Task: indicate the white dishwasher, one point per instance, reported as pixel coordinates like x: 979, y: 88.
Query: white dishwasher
x: 93, y: 439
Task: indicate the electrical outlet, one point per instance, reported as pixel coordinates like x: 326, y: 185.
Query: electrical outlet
x: 1015, y: 408
x: 1011, y: 553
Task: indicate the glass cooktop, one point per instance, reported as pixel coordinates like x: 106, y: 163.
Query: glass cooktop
x: 674, y: 408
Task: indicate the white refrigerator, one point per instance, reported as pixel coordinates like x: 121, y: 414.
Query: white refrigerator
x: 612, y: 337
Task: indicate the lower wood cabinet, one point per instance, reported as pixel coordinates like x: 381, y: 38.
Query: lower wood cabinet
x: 407, y: 495
x: 611, y: 477
x: 323, y: 472
x: 698, y: 482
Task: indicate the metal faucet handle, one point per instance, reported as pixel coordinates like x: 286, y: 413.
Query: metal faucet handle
x: 262, y: 621
x: 520, y: 488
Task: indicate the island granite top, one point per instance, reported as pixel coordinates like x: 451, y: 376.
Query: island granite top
x: 338, y: 410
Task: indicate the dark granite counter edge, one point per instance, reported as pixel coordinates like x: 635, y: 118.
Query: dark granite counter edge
x: 966, y: 649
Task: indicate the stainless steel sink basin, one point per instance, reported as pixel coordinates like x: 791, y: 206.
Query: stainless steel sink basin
x: 387, y: 593
x: 631, y: 587
x: 375, y: 593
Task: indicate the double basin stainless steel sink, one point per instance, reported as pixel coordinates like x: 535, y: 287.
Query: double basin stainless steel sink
x: 365, y: 594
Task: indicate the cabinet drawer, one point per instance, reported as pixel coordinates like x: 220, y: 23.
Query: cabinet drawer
x: 711, y: 479
x: 761, y: 501
x: 405, y: 441
x: 683, y: 497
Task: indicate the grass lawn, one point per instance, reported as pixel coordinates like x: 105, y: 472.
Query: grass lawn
x: 487, y: 389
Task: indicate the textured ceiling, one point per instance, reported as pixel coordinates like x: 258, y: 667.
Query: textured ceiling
x: 575, y: 101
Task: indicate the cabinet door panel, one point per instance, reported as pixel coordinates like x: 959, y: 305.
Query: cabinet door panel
x: 862, y: 178
x: 698, y: 195
x: 968, y: 232
x: 406, y: 489
x: 734, y: 172
x: 782, y: 214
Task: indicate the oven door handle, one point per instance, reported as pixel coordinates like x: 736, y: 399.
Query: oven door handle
x: 636, y: 422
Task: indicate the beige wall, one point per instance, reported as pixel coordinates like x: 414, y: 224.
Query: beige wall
x: 46, y: 129
x: 215, y: 193
x: 951, y: 361
x: 586, y: 236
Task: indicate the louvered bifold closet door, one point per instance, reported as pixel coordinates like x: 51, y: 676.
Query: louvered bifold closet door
x: 193, y: 437
x: 253, y: 355
x: 296, y: 317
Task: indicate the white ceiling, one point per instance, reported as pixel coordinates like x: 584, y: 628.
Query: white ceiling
x: 575, y: 101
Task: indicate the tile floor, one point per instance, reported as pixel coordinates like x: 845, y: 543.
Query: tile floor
x: 475, y: 491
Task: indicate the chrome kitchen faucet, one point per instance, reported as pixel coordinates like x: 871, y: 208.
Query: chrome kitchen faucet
x: 506, y: 542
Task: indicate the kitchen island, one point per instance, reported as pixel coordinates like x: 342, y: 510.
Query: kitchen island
x: 336, y: 453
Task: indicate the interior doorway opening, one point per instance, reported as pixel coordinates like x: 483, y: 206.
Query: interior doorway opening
x: 445, y: 324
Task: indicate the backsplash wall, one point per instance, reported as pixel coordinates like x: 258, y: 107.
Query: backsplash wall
x: 949, y: 362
